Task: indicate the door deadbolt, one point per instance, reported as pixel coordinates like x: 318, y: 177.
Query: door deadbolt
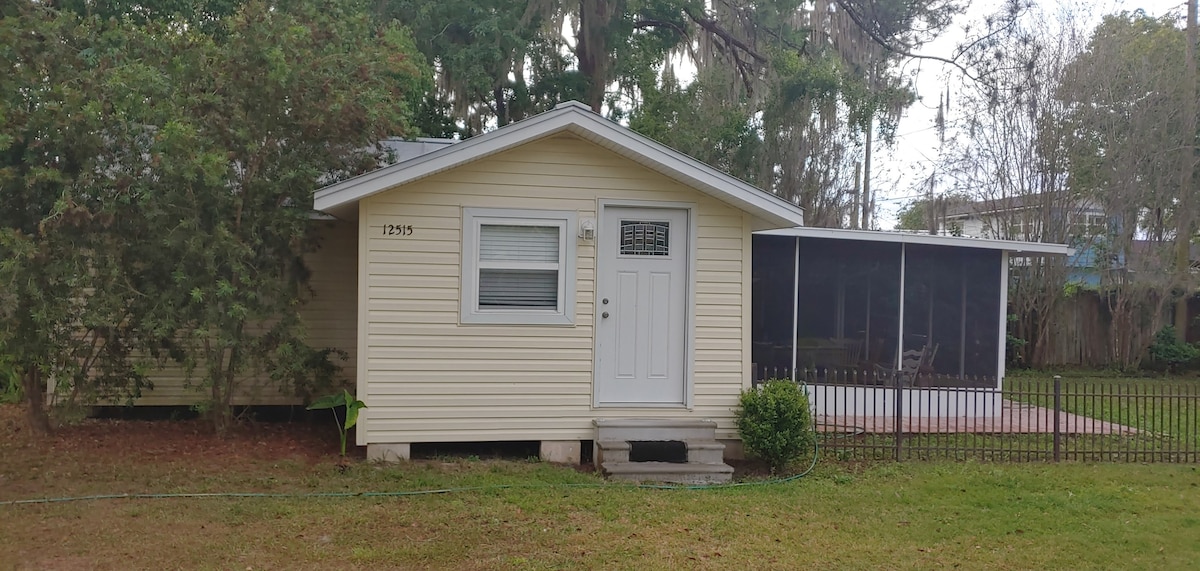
x: 604, y: 315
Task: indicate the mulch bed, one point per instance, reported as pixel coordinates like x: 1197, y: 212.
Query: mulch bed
x: 193, y: 440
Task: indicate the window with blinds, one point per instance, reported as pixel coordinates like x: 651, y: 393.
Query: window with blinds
x: 518, y: 267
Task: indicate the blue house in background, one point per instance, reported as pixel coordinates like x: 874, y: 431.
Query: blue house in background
x: 1085, y: 266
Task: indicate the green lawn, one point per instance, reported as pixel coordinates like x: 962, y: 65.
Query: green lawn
x: 1165, y: 412
x: 843, y: 516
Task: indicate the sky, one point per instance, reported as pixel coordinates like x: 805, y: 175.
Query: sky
x: 900, y: 173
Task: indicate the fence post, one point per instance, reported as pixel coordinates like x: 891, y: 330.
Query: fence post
x: 899, y: 409
x: 1057, y: 409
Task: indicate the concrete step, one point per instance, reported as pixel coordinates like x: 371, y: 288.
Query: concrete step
x: 654, y: 429
x: 705, y: 452
x: 704, y: 464
x: 698, y: 451
x: 612, y: 450
x: 668, y: 472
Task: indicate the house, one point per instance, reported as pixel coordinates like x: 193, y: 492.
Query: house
x: 1044, y: 217
x: 556, y: 273
x: 1031, y: 218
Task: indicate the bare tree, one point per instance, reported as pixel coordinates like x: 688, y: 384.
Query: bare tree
x: 1185, y: 221
x: 1007, y: 153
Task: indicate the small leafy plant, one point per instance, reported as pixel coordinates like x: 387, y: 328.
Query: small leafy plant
x: 775, y: 423
x: 339, y: 400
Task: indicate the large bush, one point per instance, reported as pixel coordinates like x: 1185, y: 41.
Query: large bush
x: 775, y: 423
x: 1168, y: 353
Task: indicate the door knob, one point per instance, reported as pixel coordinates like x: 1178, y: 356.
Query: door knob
x: 604, y: 301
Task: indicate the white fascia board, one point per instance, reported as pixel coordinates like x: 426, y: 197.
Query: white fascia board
x: 578, y: 119
x: 689, y: 171
x: 1013, y: 246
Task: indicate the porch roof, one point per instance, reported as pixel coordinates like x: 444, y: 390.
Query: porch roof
x: 1013, y: 247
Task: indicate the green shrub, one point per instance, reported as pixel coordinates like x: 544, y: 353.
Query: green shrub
x: 10, y: 383
x: 1170, y: 354
x: 775, y: 423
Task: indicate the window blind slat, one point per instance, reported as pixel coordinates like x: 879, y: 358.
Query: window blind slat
x: 513, y: 243
x: 499, y: 288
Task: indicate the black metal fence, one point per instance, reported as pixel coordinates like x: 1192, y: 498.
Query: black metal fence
x: 1052, y: 419
x: 876, y: 376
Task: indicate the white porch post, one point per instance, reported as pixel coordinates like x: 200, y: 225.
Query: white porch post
x: 867, y: 328
x: 962, y: 326
x: 900, y: 337
x: 1003, y: 341
x: 795, y: 305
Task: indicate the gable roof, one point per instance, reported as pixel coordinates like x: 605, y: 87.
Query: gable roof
x: 572, y: 117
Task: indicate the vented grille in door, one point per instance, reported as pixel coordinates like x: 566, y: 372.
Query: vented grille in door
x: 640, y: 238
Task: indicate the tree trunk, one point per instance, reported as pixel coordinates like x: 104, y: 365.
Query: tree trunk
x: 591, y: 49
x: 501, y: 106
x: 35, y: 397
x: 1183, y: 230
x: 866, y: 183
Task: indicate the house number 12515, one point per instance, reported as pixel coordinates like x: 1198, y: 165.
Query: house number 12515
x: 397, y: 229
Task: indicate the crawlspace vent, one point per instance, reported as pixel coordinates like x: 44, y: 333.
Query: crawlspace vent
x: 674, y: 451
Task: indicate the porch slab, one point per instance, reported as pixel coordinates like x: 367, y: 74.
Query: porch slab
x: 1013, y: 418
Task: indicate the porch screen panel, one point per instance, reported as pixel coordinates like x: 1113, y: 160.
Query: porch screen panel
x: 848, y: 308
x: 951, y: 313
x: 771, y: 304
x: 983, y: 341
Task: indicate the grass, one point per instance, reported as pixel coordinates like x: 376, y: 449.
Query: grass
x: 843, y: 516
x: 1165, y: 411
x: 910, y: 516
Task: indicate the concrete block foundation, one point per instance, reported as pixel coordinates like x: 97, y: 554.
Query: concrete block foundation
x: 389, y: 452
x: 561, y: 451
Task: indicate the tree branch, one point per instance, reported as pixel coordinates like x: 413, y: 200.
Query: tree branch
x: 643, y: 24
x: 785, y: 41
x: 713, y: 27
x: 883, y: 42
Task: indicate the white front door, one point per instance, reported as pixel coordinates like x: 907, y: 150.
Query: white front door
x: 641, y: 306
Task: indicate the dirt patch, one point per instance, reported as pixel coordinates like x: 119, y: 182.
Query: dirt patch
x: 121, y: 440
x: 744, y: 470
x: 59, y: 563
x: 128, y: 456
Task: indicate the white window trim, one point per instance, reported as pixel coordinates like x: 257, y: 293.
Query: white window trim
x: 473, y: 219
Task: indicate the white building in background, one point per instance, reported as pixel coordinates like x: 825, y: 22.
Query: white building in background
x: 1022, y: 218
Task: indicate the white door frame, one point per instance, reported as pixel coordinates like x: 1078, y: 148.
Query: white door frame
x: 689, y: 314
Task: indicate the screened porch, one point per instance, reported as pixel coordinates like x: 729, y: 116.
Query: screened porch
x: 871, y: 308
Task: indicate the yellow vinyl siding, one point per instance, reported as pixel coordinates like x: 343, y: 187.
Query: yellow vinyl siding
x: 426, y: 378
x: 329, y: 317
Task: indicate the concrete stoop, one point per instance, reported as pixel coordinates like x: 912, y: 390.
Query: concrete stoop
x: 615, y: 439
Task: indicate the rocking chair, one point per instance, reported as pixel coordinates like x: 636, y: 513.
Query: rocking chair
x: 910, y: 366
